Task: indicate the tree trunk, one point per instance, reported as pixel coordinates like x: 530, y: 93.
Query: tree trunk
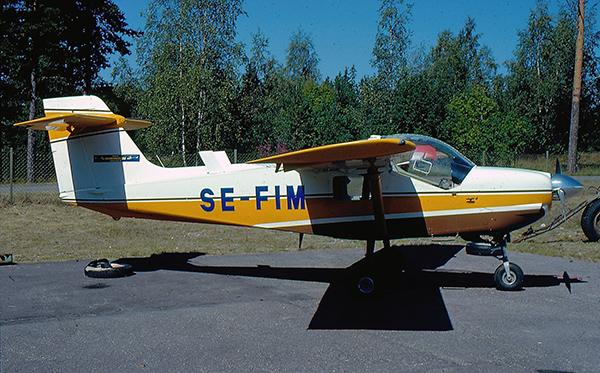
x: 182, y: 104
x: 31, y: 133
x: 573, y: 133
x: 183, y: 131
x: 200, y: 121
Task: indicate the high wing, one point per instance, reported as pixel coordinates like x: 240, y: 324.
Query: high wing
x: 369, y: 150
x: 73, y: 121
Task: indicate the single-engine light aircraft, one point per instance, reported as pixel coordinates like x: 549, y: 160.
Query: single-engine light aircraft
x: 382, y: 188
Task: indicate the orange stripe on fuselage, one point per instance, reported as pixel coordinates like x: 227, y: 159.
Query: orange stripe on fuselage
x: 453, y: 201
x: 245, y: 212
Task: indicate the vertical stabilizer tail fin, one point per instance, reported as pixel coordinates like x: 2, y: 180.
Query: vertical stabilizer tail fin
x: 94, y: 157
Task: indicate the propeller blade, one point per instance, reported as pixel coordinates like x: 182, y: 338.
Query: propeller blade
x: 558, y: 169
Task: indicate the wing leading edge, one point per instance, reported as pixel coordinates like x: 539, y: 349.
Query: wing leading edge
x: 348, y: 151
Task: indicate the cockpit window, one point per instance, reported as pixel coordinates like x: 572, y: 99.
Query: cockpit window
x: 432, y: 161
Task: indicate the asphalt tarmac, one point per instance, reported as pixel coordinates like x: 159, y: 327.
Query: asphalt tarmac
x: 295, y: 311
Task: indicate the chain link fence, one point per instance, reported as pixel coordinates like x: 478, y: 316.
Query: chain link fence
x: 21, y: 183
x: 17, y: 184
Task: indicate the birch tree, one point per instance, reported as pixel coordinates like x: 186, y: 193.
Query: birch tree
x: 189, y: 61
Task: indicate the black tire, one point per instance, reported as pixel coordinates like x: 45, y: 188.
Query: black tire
x: 509, y: 281
x: 102, y: 268
x: 366, y: 285
x: 590, y: 221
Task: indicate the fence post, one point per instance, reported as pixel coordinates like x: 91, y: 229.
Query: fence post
x: 234, y: 156
x: 547, y: 161
x: 10, y: 172
x: 483, y: 158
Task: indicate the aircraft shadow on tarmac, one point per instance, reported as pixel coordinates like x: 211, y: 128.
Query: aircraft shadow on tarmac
x: 410, y: 300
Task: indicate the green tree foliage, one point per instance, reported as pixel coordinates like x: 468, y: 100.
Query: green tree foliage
x: 328, y: 111
x: 53, y: 48
x: 189, y: 61
x: 476, y: 124
x: 346, y: 105
x: 289, y: 108
x: 262, y: 64
x: 256, y: 97
x: 455, y: 65
x: 62, y: 45
x: 302, y: 60
x: 379, y: 110
x: 391, y: 42
x: 540, y: 80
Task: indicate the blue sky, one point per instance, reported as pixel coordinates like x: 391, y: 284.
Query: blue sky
x: 343, y: 31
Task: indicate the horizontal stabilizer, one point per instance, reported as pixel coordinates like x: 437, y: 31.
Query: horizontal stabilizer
x: 80, y: 121
x: 78, y: 113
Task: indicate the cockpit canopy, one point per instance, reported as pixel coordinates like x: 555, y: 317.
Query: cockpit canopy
x: 432, y: 161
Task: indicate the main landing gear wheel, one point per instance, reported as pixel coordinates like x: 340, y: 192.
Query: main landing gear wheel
x: 366, y: 285
x: 590, y: 221
x: 510, y: 279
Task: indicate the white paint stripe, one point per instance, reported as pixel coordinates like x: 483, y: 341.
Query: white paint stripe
x: 468, y: 193
x: 533, y: 207
x: 484, y: 210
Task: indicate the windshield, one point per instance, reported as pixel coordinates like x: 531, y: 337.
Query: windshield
x: 432, y: 161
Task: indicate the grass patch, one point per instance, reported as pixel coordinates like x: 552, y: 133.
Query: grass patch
x: 567, y: 240
x: 36, y: 198
x: 40, y: 232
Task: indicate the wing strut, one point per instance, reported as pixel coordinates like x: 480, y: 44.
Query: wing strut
x: 373, y: 177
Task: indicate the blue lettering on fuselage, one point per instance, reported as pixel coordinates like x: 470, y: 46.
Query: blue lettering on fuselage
x: 259, y: 198
x: 295, y: 199
x: 277, y: 197
x: 225, y: 199
x: 210, y: 203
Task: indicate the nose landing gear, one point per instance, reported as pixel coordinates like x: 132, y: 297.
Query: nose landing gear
x: 508, y: 276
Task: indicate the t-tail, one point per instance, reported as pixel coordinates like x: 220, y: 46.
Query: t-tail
x: 93, y: 155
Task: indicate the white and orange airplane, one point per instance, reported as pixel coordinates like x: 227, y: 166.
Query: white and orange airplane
x: 383, y: 188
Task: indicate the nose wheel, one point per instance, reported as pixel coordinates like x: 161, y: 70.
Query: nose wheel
x: 508, y: 276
